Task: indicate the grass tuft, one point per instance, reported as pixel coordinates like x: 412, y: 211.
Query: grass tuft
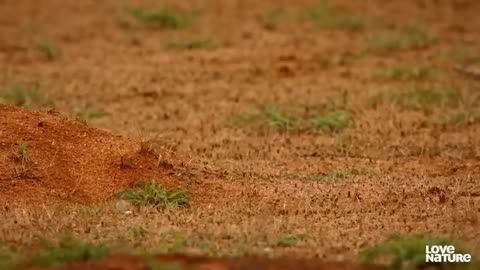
x: 21, y: 153
x: 277, y: 119
x: 24, y: 95
x: 287, y: 240
x: 405, y: 38
x: 68, y: 250
x: 23, y: 167
x: 420, y: 98
x: 154, y: 194
x: 9, y: 258
x: 462, y: 117
x: 326, y: 16
x: 403, y: 252
x: 408, y: 72
x: 296, y: 119
x: 162, y: 19
x: 48, y: 48
x: 332, y: 122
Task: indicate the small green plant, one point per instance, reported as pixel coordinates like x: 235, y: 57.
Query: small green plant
x: 194, y: 44
x: 405, y: 38
x: 9, y: 258
x: 47, y: 47
x: 21, y: 153
x: 151, y: 193
x: 138, y: 231
x: 68, y: 250
x: 287, y: 240
x: 408, y: 72
x: 332, y: 122
x: 24, y: 95
x: 403, y: 251
x: 162, y: 19
x: 277, y: 119
x: 89, y: 114
x: 325, y: 16
x: 23, y: 167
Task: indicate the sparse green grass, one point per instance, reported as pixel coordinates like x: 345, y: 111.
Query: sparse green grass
x: 21, y: 152
x: 288, y: 240
x: 404, y: 251
x: 465, y: 55
x: 332, y: 176
x: 420, y: 98
x: 462, y: 117
x: 327, y: 17
x: 25, y: 95
x: 23, y: 167
x: 405, y: 38
x: 9, y: 258
x: 151, y: 193
x: 89, y: 114
x: 332, y: 122
x: 47, y: 47
x: 277, y: 119
x: 193, y: 44
x: 67, y: 251
x: 162, y: 19
x: 408, y: 72
x: 323, y: 16
x: 335, y: 175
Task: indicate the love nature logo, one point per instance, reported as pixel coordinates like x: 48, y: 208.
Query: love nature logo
x: 444, y: 254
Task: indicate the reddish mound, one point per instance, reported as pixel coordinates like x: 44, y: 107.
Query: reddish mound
x: 120, y: 262
x: 67, y: 161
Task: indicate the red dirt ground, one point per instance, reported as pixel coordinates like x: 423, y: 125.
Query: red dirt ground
x: 69, y: 162
x: 196, y: 263
x: 397, y: 170
x: 121, y: 262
